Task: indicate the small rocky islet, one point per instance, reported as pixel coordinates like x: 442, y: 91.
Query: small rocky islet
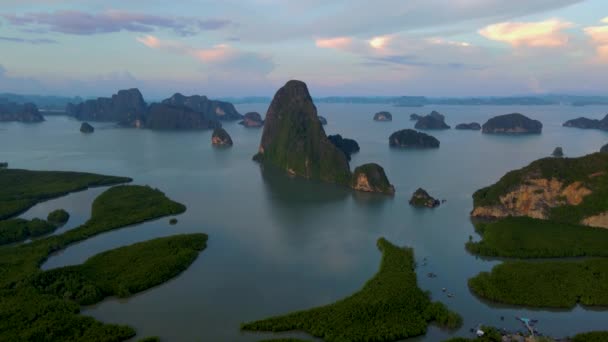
x: 348, y: 146
x: 221, y: 138
x: 586, y: 123
x: 432, y: 121
x: 86, y: 128
x: 422, y: 199
x: 409, y: 138
x: 512, y: 124
x: 252, y: 120
x: 383, y: 116
x: 473, y: 126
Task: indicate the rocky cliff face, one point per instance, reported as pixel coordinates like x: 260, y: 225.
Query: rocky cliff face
x: 127, y: 107
x: 409, y: 138
x: 252, y: 119
x: 210, y: 109
x: 27, y: 113
x: 567, y: 190
x: 422, y: 199
x: 371, y: 178
x: 512, y: 124
x: 294, y: 139
x: 167, y: 117
x: 86, y: 128
x: 221, y: 138
x: 434, y: 120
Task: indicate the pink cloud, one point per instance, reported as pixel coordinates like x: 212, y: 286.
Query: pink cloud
x: 548, y: 33
x: 340, y: 43
x: 599, y: 37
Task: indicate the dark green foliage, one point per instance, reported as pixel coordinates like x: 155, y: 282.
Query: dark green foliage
x: 594, y: 336
x: 389, y: 307
x: 514, y: 123
x: 3, y: 165
x: 524, y: 237
x: 591, y: 170
x: 558, y: 284
x: 22, y: 189
x: 58, y: 217
x: 16, y: 230
x: 284, y: 340
x: 409, y: 138
x: 123, y: 271
x: 295, y: 141
x: 375, y: 179
x: 347, y: 146
x: 150, y: 339
x: 36, y: 306
x: 173, y: 221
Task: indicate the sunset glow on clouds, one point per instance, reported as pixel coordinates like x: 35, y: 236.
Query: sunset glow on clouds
x: 388, y: 46
x: 548, y: 33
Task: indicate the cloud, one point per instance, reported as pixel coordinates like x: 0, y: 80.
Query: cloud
x: 221, y: 57
x: 599, y: 37
x: 379, y: 42
x: 548, y: 33
x: 83, y: 23
x: 441, y: 41
x: 340, y: 43
x: 35, y: 41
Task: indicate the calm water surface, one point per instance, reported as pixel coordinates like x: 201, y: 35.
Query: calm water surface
x: 277, y: 244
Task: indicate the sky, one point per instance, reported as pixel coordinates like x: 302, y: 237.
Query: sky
x: 339, y: 47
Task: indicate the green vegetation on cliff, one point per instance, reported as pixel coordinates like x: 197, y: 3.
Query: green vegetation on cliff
x: 591, y: 170
x: 22, y: 189
x: 524, y: 237
x: 556, y: 284
x: 16, y: 230
x: 294, y: 140
x: 389, y: 307
x: 593, y: 336
x: 371, y: 178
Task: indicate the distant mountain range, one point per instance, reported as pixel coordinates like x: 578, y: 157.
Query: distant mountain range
x: 58, y: 103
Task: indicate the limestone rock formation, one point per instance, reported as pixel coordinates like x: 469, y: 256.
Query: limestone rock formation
x: 210, y: 109
x: 415, y: 117
x: 409, y: 138
x: 371, y: 178
x: 86, y: 128
x: 348, y: 146
x: 323, y: 120
x: 512, y: 124
x: 253, y: 120
x: 433, y: 121
x: 127, y: 107
x: 558, y: 152
x: 586, y: 123
x: 221, y: 138
x: 383, y: 116
x: 167, y: 117
x: 294, y: 139
x: 26, y: 113
x: 473, y: 126
x: 421, y: 198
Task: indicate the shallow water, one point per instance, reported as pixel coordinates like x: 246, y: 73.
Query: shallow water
x: 278, y: 244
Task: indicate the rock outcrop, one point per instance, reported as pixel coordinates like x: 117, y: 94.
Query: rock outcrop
x: 473, y: 126
x: 221, y: 138
x: 604, y: 149
x: 409, y: 138
x: 422, y: 199
x: 26, y: 113
x: 383, y: 116
x: 512, y: 124
x: 294, y: 139
x: 433, y: 121
x: 3, y: 165
x: 348, y: 146
x: 86, y: 128
x: 560, y: 189
x: 167, y: 117
x: 558, y: 152
x: 127, y: 107
x: 210, y: 109
x: 323, y: 120
x: 586, y: 123
x: 371, y: 178
x: 252, y: 120
x: 415, y: 117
